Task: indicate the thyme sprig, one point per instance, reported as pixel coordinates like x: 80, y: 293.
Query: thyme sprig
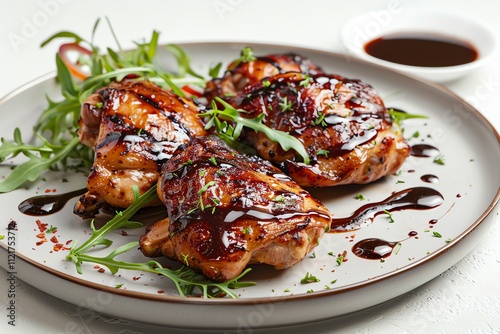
x: 185, y: 279
x: 230, y: 134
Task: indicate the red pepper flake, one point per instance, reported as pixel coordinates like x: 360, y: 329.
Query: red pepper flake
x: 135, y: 278
x: 124, y: 233
x: 58, y: 247
x: 47, y: 191
x: 40, y: 235
x: 54, y: 239
x: 41, y: 242
x: 101, y: 270
x: 41, y: 226
x: 69, y: 241
x: 344, y: 256
x: 96, y: 267
x: 161, y: 291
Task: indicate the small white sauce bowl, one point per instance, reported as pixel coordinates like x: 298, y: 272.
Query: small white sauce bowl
x: 372, y: 25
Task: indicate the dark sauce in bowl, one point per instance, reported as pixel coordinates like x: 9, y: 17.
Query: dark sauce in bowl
x: 425, y: 50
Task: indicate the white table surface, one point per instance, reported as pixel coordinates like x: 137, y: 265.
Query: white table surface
x: 464, y: 299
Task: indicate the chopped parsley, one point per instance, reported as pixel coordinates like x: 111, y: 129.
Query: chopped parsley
x: 359, y: 197
x: 246, y: 55
x: 439, y: 159
x: 320, y: 120
x: 388, y: 213
x: 279, y: 198
x: 323, y: 152
x: 309, y: 279
x: 247, y: 230
x: 52, y: 229
x: 306, y: 81
x: 285, y: 104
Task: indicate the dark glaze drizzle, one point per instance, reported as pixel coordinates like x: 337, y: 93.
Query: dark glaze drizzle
x: 429, y: 178
x: 418, y: 198
x: 226, y: 235
x: 44, y: 205
x: 424, y: 151
x: 364, y: 120
x: 376, y: 249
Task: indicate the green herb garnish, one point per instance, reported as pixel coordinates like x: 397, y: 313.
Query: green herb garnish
x: 285, y: 104
x: 57, y: 145
x: 52, y: 229
x: 399, y: 116
x: 309, y: 279
x: 389, y: 214
x: 230, y: 134
x: 185, y: 279
x: 323, y: 152
x: 439, y: 160
x: 246, y: 55
x: 359, y: 197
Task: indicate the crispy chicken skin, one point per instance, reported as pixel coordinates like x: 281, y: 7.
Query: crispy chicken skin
x: 227, y: 210
x: 239, y: 73
x: 133, y: 127
x: 343, y: 124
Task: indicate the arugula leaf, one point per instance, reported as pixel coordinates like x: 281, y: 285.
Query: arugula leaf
x: 58, y: 124
x: 31, y: 169
x: 183, y: 61
x: 65, y: 79
x: 120, y: 220
x: 230, y: 134
x: 62, y: 34
x: 213, y: 72
x: 185, y: 279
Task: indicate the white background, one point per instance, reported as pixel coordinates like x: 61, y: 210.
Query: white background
x: 465, y: 298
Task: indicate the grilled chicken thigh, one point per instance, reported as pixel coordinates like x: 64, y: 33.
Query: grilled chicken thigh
x: 342, y: 123
x: 227, y: 210
x: 243, y: 72
x: 133, y: 127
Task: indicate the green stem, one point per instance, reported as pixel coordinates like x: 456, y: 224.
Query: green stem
x: 119, y: 220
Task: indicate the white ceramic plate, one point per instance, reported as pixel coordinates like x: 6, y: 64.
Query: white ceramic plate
x: 469, y: 182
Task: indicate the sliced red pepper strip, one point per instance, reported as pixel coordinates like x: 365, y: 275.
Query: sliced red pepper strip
x: 190, y: 90
x: 74, y: 68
